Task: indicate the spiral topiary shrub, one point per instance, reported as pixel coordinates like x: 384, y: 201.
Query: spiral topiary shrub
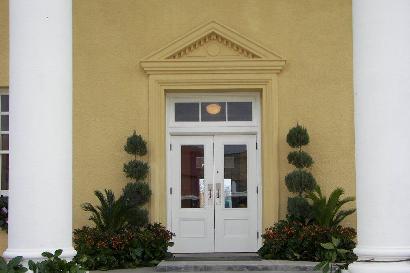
x: 300, y: 181
x: 137, y: 192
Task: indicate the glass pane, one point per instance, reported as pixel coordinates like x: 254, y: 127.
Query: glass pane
x: 5, y: 142
x: 192, y: 176
x: 186, y: 111
x: 5, y: 123
x: 5, y: 172
x: 4, y: 103
x: 213, y: 111
x: 235, y: 176
x: 239, y: 111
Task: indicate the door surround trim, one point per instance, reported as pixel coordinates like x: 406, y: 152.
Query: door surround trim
x: 265, y: 85
x: 235, y: 71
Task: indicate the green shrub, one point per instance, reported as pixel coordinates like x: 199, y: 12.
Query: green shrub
x: 136, y: 145
x: 127, y: 248
x: 13, y: 266
x: 54, y: 264
x: 333, y: 252
x: 300, y: 181
x: 122, y: 237
x: 300, y: 159
x: 293, y: 240
x: 297, y: 137
x: 4, y: 212
x: 300, y: 208
x: 328, y: 212
x: 136, y: 169
x: 136, y: 194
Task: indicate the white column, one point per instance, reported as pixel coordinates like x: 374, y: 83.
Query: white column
x: 381, y: 53
x: 40, y: 216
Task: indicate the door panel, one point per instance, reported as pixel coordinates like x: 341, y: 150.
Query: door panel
x: 192, y: 213
x: 236, y: 204
x: 214, y: 200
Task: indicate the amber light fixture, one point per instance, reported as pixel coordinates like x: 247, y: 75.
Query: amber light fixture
x: 213, y: 108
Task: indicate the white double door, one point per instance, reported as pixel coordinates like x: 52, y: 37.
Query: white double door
x: 214, y: 199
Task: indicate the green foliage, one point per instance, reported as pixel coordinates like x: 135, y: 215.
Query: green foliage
x: 136, y: 145
x: 4, y: 212
x: 327, y: 212
x: 54, y: 264
x: 138, y: 217
x: 300, y: 159
x: 299, y: 208
x: 332, y: 254
x: 136, y: 194
x: 300, y: 181
x: 136, y: 169
x: 111, y: 214
x: 297, y: 137
x: 13, y: 266
x: 127, y: 248
x: 122, y: 237
x: 296, y: 241
x: 115, y: 214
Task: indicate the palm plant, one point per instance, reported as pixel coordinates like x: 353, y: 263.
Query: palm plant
x: 128, y: 210
x: 327, y: 212
x: 111, y: 214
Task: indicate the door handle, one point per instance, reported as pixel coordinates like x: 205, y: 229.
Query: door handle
x: 210, y: 191
x: 218, y: 194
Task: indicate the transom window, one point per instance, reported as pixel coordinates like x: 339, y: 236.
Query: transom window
x: 4, y: 143
x: 213, y: 110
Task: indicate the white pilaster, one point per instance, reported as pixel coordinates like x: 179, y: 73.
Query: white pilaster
x: 381, y: 50
x: 40, y: 193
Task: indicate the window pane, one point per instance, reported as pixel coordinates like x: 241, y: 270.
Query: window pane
x: 186, y: 111
x: 235, y: 176
x: 192, y: 176
x: 5, y: 123
x: 4, y: 103
x: 213, y: 111
x: 5, y: 142
x: 5, y: 172
x: 239, y: 111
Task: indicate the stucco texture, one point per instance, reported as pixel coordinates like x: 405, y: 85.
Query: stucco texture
x: 4, y: 43
x: 111, y: 90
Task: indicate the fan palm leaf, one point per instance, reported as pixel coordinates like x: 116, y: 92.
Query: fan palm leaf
x: 327, y: 212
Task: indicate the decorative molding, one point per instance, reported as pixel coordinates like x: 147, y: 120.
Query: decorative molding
x: 213, y: 48
x: 213, y: 51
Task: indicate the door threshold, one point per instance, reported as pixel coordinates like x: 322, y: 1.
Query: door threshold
x: 216, y: 256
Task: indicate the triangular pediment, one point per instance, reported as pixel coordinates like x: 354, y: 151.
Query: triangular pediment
x: 211, y: 42
x: 213, y: 46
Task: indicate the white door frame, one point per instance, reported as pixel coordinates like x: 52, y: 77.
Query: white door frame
x: 173, y: 129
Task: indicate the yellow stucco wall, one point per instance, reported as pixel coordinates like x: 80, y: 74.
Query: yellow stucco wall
x: 4, y: 43
x: 111, y: 90
x: 4, y: 73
